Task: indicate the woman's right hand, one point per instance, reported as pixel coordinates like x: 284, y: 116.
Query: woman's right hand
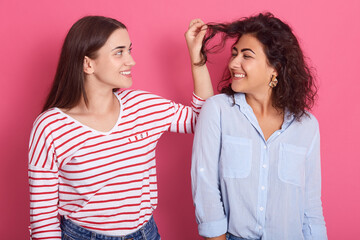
x: 194, y: 37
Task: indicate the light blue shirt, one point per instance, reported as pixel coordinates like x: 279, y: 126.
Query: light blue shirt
x: 252, y: 188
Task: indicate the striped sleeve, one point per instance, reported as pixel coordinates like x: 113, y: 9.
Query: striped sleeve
x: 185, y: 117
x: 43, y: 183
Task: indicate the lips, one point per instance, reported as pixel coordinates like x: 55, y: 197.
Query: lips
x: 126, y: 73
x: 238, y: 76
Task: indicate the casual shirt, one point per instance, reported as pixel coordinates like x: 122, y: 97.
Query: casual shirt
x: 251, y: 187
x: 102, y: 181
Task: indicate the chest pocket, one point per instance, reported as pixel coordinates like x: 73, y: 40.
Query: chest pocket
x: 235, y: 158
x: 292, y: 164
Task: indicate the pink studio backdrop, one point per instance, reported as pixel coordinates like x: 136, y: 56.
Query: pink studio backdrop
x: 31, y: 36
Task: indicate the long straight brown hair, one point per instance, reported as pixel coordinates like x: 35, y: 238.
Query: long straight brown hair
x: 84, y: 38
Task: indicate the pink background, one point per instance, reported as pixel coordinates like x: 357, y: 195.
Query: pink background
x: 31, y: 36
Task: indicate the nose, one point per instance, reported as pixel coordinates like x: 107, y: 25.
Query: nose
x: 130, y: 61
x: 235, y: 63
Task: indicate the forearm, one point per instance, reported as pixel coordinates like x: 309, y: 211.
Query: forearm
x: 202, y: 81
x: 194, y: 37
x: 222, y: 237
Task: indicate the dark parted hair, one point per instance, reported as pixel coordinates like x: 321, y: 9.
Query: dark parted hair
x: 84, y: 38
x: 296, y: 89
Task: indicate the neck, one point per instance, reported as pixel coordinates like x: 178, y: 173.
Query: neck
x: 100, y: 100
x: 262, y: 104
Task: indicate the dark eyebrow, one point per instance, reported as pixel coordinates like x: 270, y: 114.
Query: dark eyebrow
x: 247, y: 49
x: 121, y: 47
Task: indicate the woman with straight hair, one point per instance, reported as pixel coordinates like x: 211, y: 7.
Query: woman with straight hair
x: 92, y: 171
x: 256, y: 156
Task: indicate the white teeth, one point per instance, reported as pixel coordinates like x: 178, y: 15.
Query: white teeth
x: 126, y: 73
x: 239, y: 75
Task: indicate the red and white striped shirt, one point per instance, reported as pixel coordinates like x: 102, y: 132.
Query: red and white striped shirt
x: 105, y: 182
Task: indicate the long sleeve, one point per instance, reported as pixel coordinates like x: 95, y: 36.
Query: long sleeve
x: 209, y: 208
x: 185, y: 117
x: 43, y: 183
x: 314, y: 224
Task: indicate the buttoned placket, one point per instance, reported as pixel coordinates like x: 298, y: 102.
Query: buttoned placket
x: 264, y: 161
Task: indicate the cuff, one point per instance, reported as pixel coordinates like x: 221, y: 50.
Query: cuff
x: 197, y: 102
x: 317, y: 232
x: 213, y: 229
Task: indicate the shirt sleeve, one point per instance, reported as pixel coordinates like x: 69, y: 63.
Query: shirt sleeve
x: 43, y: 184
x: 314, y: 224
x: 185, y: 117
x: 209, y: 210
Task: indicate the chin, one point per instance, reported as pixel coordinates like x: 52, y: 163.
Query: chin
x: 237, y: 88
x: 126, y: 84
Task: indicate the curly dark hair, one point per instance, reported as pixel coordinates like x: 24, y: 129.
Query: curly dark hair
x: 296, y: 90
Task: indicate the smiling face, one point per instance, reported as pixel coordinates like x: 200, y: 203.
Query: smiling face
x: 112, y: 65
x: 249, y: 67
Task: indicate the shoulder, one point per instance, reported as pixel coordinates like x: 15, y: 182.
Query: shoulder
x: 219, y: 101
x: 130, y: 94
x: 309, y: 120
x: 47, y: 118
x: 133, y: 99
x: 43, y: 124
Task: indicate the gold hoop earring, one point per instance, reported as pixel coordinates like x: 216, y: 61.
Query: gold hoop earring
x: 273, y: 82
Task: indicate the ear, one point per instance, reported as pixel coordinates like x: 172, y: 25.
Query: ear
x: 274, y: 72
x: 88, y: 65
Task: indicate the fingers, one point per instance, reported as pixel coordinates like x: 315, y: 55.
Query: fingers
x: 196, y: 26
x: 196, y: 21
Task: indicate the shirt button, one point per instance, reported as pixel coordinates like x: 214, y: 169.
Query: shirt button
x: 260, y: 227
x: 261, y: 209
x: 264, y: 166
x: 265, y: 147
x: 262, y: 188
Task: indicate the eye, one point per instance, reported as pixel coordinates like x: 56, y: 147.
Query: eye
x: 247, y: 56
x: 233, y: 54
x: 119, y: 53
x: 130, y: 50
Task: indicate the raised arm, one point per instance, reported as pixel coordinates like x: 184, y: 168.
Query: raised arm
x: 194, y: 37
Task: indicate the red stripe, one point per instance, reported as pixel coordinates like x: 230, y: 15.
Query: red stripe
x: 186, y: 117
x: 52, y: 132
x: 118, y: 139
x: 129, y: 91
x: 146, y: 115
x: 109, y: 148
x: 43, y: 213
x: 112, y: 155
x: 115, y: 222
x: 112, y: 208
x: 35, y: 178
x: 37, y: 207
x: 41, y: 133
x: 70, y: 139
x: 144, y: 108
x: 202, y: 100
x: 136, y: 95
x: 41, y: 171
x: 41, y: 186
x: 124, y: 228
x: 117, y: 214
x: 33, y: 229
x: 38, y: 124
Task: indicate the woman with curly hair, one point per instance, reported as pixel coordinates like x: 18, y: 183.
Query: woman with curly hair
x: 256, y: 157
